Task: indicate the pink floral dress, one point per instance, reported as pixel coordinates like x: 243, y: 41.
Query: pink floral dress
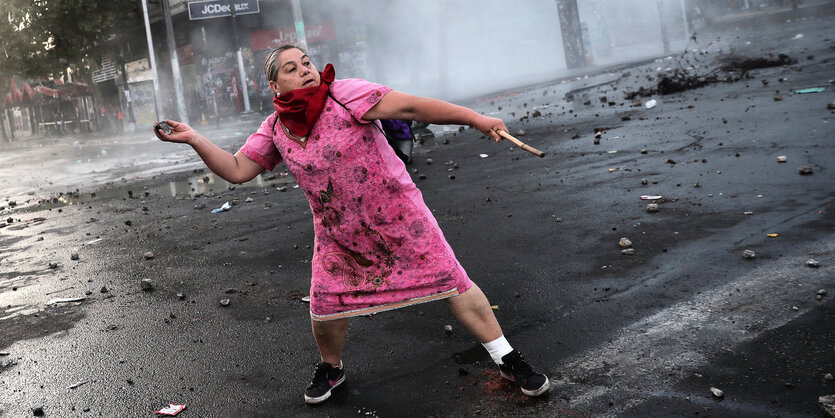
x: 377, y: 246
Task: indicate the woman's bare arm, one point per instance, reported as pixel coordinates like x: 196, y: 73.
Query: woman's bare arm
x: 397, y: 105
x: 237, y: 168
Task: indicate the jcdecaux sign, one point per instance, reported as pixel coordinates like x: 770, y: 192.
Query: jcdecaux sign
x: 208, y: 9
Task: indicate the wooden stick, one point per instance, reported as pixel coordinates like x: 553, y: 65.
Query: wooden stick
x: 521, y: 144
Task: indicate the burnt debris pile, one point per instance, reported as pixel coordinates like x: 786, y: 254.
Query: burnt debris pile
x: 692, y: 74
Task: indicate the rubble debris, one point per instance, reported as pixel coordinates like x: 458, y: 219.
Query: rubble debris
x: 226, y: 206
x: 830, y: 105
x: 717, y: 392
x: 8, y: 363
x: 164, y: 127
x: 812, y: 263
x: 822, y: 292
x: 103, y: 289
x: 65, y: 300
x: 827, y: 403
x: 829, y: 377
x: 37, y: 410
x: 748, y: 254
x: 77, y: 384
x: 644, y: 181
x: 653, y: 207
x: 448, y: 329
x: 625, y: 242
x: 148, y: 255
x: 778, y: 98
x: 810, y: 90
x: 224, y: 302
x: 171, y: 410
x: 805, y: 170
x: 74, y: 256
x: 628, y: 251
x: 781, y: 158
x: 146, y: 284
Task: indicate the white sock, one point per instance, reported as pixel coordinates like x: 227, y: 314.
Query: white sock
x: 498, y: 348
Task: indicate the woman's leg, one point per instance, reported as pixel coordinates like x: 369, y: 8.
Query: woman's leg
x: 329, y: 337
x: 474, y: 311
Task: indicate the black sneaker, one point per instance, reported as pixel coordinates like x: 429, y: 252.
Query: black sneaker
x: 325, y: 378
x: 516, y: 369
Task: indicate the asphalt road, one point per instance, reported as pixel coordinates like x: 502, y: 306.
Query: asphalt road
x: 646, y: 334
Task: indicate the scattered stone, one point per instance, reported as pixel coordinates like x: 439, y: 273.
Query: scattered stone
x: 625, y: 242
x: 248, y: 200
x: 448, y: 329
x: 53, y: 265
x: 429, y: 161
x: 199, y: 206
x: 717, y: 392
x: 653, y: 207
x: 148, y: 255
x: 827, y: 403
x: 778, y: 98
x: 795, y: 308
x: 103, y: 289
x: 520, y: 132
x: 74, y: 256
x: 628, y: 251
x: 813, y: 263
x: 805, y: 170
x: 224, y: 302
x: 128, y: 223
x: 8, y: 363
x: 422, y: 176
x: 644, y: 181
x: 829, y: 377
x: 644, y: 151
x: 88, y: 292
x: 267, y: 205
x: 231, y: 290
x: 181, y: 296
x: 748, y: 254
x: 4, y: 353
x: 830, y: 105
x: 37, y: 409
x: 822, y: 292
x: 281, y: 189
x: 781, y: 159
x: 146, y: 284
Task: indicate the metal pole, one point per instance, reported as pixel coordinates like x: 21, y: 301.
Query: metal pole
x: 665, y: 39
x: 152, y: 58
x: 687, y: 28
x: 297, y: 17
x: 175, y: 63
x: 241, y: 72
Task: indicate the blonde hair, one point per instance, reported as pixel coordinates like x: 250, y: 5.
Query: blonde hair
x: 271, y: 62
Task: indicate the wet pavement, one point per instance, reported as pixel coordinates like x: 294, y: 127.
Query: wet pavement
x: 646, y: 334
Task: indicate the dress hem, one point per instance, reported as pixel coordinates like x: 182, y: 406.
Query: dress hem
x: 387, y: 307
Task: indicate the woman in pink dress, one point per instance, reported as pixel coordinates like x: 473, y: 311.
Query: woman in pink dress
x: 377, y: 246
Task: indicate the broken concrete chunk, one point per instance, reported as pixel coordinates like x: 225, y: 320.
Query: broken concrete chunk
x: 827, y: 403
x: 653, y: 207
x: 748, y: 254
x: 625, y: 243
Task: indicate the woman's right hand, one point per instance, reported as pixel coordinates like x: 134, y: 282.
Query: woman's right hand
x: 180, y: 132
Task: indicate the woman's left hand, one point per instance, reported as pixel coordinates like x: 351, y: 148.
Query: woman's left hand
x: 490, y: 127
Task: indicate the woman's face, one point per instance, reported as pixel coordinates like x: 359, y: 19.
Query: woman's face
x: 295, y: 71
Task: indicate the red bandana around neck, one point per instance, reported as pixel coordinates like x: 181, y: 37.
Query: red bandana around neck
x: 299, y: 109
